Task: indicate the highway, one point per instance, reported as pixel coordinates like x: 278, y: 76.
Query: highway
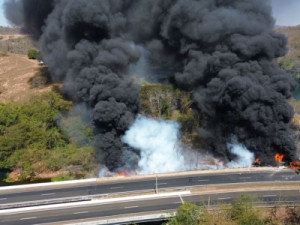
x: 143, y: 184
x: 134, y: 207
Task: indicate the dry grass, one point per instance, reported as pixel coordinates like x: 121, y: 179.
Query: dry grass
x: 291, y: 62
x: 293, y: 34
x: 15, y: 73
x: 17, y: 43
x: 10, y: 30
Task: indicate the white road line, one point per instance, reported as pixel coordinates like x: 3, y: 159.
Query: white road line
x: 116, y: 187
x: 81, y: 212
x: 181, y: 199
x: 285, y: 201
x: 202, y: 180
x: 224, y: 198
x: 130, y: 207
x: 1, y: 199
x: 29, y: 218
x: 245, y: 177
x: 161, y: 183
x: 95, y: 202
x: 265, y: 196
x: 48, y: 194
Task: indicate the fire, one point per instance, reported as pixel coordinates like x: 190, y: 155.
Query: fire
x: 295, y: 165
x: 124, y: 173
x: 120, y: 175
x: 256, y: 163
x: 279, y: 157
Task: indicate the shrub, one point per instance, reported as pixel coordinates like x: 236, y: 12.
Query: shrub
x: 243, y: 212
x: 33, y: 54
x: 3, y: 53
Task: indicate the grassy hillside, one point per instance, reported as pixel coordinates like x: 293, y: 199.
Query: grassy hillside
x: 33, y: 145
x: 291, y: 62
x: 20, y: 78
x: 35, y: 123
x: 13, y: 41
x: 10, y: 30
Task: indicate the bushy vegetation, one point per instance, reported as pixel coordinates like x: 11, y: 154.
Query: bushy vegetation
x: 41, y: 78
x: 3, y: 53
x: 241, y: 212
x: 31, y: 142
x: 170, y: 103
x: 34, y: 54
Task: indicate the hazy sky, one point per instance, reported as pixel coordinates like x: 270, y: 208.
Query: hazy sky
x: 286, y: 12
x: 3, y: 21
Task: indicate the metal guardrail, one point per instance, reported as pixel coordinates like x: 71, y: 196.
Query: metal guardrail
x: 50, y: 201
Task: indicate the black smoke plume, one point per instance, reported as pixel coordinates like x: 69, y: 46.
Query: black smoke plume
x: 223, y: 51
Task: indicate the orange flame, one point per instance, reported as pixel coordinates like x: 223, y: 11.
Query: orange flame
x: 279, y: 157
x: 295, y: 165
x: 124, y: 173
x: 256, y: 163
x: 120, y: 174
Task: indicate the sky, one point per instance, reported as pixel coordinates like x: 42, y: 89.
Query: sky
x: 3, y: 21
x: 286, y: 12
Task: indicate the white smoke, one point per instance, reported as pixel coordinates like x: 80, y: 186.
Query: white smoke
x: 161, y: 151
x: 158, y: 143
x: 245, y: 158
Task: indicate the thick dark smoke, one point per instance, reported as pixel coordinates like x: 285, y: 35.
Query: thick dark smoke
x: 33, y: 19
x: 223, y: 50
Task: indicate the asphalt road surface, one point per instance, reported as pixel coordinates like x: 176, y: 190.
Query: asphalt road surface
x: 123, y: 208
x: 147, y: 184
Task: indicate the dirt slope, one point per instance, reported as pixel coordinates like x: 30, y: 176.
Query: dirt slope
x: 15, y: 72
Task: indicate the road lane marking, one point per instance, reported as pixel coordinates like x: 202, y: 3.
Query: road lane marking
x: 265, y: 196
x: 95, y: 202
x: 2, y: 199
x: 130, y: 207
x: 48, y: 194
x: 161, y: 183
x: 245, y: 177
x: 116, y: 187
x: 29, y: 218
x: 84, y: 212
x: 224, y: 198
x: 181, y: 199
x: 202, y: 180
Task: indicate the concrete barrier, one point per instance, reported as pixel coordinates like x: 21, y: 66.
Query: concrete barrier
x: 50, y: 201
x: 154, y: 217
x: 93, y: 202
x: 26, y: 186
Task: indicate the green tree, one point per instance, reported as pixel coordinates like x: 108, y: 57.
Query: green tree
x: 243, y: 212
x: 187, y: 214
